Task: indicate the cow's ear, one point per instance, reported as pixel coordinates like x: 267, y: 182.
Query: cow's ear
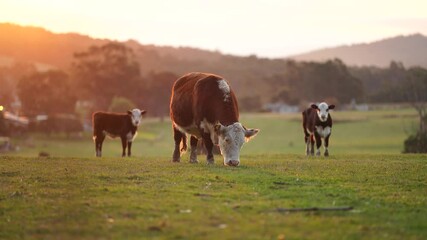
x: 314, y: 106
x: 219, y: 129
x: 129, y: 112
x: 331, y: 106
x: 250, y: 133
x: 143, y: 112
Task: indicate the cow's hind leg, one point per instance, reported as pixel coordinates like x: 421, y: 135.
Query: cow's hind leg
x: 98, y: 139
x: 312, y: 145
x: 326, y: 146
x: 209, y: 146
x: 178, y: 137
x: 318, y: 143
x: 307, y: 145
x: 193, y: 154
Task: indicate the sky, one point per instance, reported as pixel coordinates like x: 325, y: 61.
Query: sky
x: 267, y: 28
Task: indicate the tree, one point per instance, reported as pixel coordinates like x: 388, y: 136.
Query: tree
x: 103, y: 72
x: 415, y: 92
x: 158, y: 92
x: 9, y: 77
x: 46, y: 93
x: 121, y: 104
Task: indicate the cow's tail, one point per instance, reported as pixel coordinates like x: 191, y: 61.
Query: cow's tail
x: 184, y: 143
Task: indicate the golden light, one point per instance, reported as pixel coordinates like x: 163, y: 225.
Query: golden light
x: 1, y: 108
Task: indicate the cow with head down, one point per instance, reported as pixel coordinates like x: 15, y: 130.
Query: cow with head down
x: 204, y: 106
x: 317, y: 124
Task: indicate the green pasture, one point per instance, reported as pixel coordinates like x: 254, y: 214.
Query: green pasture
x: 153, y: 198
x: 353, y: 132
x: 73, y: 195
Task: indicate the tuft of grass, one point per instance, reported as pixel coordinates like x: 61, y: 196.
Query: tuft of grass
x: 153, y: 198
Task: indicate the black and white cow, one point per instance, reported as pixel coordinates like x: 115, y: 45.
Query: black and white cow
x: 317, y: 124
x: 204, y: 106
x: 123, y: 125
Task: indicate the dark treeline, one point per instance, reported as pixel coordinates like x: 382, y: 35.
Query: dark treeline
x: 115, y: 77
x: 103, y: 75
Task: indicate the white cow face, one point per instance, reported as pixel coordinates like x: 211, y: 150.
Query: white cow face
x: 231, y: 139
x: 136, y: 116
x: 323, y: 110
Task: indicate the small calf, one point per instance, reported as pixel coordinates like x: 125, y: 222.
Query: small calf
x: 317, y: 124
x: 123, y: 125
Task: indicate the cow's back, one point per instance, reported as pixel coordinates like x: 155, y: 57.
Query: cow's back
x: 309, y: 119
x: 112, y: 122
x: 196, y: 96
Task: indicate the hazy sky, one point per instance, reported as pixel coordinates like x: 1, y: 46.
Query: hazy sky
x: 268, y: 28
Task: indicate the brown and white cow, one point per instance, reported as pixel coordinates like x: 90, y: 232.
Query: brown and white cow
x: 317, y: 124
x: 204, y: 106
x: 123, y: 125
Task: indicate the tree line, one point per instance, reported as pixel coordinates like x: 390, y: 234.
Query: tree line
x: 112, y: 77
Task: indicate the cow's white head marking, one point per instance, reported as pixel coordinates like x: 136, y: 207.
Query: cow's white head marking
x: 225, y: 88
x: 323, y: 110
x: 136, y: 115
x: 231, y: 139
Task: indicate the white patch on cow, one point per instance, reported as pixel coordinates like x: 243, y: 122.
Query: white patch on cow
x: 210, y: 129
x: 322, y: 111
x: 191, y: 129
x: 136, y: 116
x: 225, y: 88
x: 323, y: 132
x: 231, y: 139
x: 130, y: 137
x: 109, y: 134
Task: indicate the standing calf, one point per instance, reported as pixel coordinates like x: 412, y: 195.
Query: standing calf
x: 123, y: 125
x: 317, y: 124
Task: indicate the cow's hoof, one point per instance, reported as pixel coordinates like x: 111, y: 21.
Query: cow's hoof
x: 194, y: 161
x: 210, y: 161
x: 176, y: 160
x: 326, y: 154
x: 317, y: 154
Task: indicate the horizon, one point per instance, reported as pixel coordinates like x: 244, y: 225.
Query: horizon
x: 251, y: 29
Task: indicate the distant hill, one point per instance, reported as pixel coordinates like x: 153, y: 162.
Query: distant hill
x: 35, y: 44
x: 255, y: 80
x: 411, y: 50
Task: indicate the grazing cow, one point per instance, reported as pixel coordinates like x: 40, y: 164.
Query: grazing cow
x: 204, y: 106
x: 123, y: 125
x: 317, y: 124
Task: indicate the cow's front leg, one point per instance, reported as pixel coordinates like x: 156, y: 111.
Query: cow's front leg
x: 209, y: 146
x: 129, y: 148
x: 124, y: 143
x: 318, y: 143
x: 327, y: 145
x: 193, y: 154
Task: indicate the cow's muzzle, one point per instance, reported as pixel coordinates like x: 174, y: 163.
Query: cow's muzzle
x: 233, y: 163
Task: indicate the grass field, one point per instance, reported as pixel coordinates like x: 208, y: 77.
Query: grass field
x: 72, y: 195
x: 374, y: 132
